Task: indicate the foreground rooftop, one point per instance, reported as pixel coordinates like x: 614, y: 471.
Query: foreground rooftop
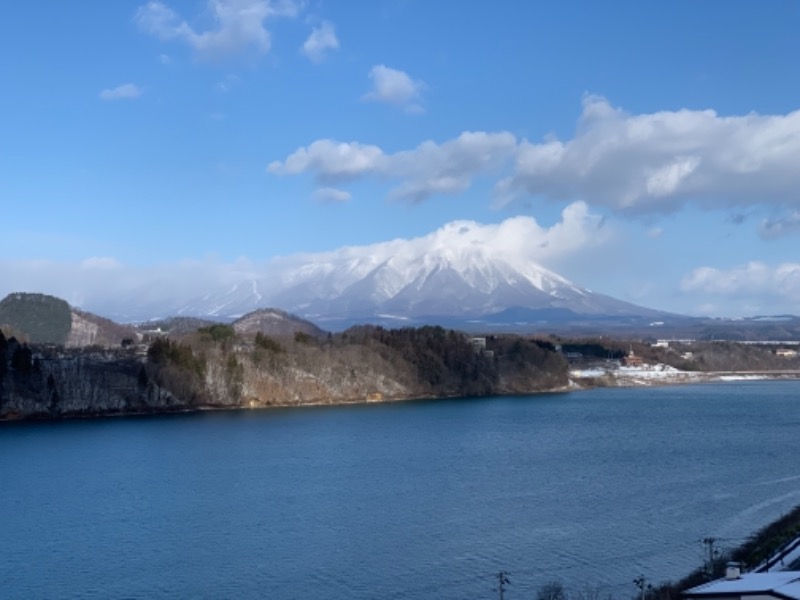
x: 752, y: 586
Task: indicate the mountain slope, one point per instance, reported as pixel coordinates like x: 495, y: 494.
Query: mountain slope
x: 271, y: 321
x: 463, y: 271
x: 37, y: 317
x: 462, y: 283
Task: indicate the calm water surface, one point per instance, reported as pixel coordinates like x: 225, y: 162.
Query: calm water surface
x: 413, y: 500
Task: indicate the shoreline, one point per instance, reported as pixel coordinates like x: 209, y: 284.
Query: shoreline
x: 660, y: 375
x: 579, y: 380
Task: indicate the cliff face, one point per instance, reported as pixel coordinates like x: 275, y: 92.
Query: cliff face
x: 51, y: 382
x: 324, y: 376
x: 75, y: 383
x: 82, y: 332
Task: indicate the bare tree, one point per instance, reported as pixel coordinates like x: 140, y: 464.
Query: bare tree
x: 552, y: 590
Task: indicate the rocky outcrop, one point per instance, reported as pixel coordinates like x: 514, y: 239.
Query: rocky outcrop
x: 82, y: 332
x: 58, y: 383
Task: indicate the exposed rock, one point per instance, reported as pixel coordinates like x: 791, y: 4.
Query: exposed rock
x: 82, y: 333
x: 73, y: 383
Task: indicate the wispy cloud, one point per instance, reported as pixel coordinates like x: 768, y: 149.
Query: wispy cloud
x: 331, y: 194
x: 762, y: 288
x: 126, y: 91
x: 396, y: 87
x: 228, y: 83
x: 236, y: 26
x: 655, y: 232
x: 321, y: 40
x: 788, y: 224
x: 429, y: 169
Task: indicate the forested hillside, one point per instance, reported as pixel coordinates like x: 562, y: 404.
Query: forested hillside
x: 215, y: 366
x: 40, y: 318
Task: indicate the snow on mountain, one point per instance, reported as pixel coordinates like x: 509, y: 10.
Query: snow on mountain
x: 455, y: 271
x: 463, y: 270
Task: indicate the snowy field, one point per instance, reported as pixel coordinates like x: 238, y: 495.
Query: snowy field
x: 658, y: 374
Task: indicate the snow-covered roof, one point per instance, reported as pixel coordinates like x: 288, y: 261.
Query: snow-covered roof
x: 781, y: 584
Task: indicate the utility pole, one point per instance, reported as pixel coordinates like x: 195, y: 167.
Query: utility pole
x: 502, y: 582
x: 710, y: 541
x: 643, y: 586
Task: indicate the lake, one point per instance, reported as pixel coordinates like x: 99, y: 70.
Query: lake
x: 424, y: 499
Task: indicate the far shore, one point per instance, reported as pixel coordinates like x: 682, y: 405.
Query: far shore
x: 660, y: 375
x: 580, y: 380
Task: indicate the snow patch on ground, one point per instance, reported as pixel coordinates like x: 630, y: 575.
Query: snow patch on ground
x: 658, y: 374
x: 645, y: 375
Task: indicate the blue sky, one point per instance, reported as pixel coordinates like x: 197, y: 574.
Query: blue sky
x: 662, y: 136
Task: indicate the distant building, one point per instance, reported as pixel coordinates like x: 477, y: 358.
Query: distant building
x: 479, y: 344
x: 749, y: 586
x: 786, y: 353
x: 631, y: 360
x: 150, y: 335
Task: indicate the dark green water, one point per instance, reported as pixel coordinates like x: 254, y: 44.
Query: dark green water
x: 413, y: 500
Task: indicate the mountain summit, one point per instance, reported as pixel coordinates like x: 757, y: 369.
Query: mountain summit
x: 463, y: 275
x: 450, y: 276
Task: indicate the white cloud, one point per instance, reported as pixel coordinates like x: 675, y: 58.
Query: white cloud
x: 121, y: 92
x: 520, y: 240
x: 321, y: 39
x: 236, y: 26
x: 429, y: 169
x: 656, y: 162
x: 332, y: 161
x: 395, y: 87
x: 448, y: 168
x: 755, y: 287
x: 333, y: 195
x: 100, y: 262
x: 634, y: 164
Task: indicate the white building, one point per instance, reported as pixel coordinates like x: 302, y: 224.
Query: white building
x: 749, y: 586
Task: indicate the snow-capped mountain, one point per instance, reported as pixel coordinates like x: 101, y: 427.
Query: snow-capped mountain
x: 471, y: 281
x: 462, y: 272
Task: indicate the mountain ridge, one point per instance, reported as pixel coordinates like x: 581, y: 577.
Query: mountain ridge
x: 470, y: 284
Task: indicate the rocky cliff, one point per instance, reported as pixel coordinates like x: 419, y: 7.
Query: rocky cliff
x: 54, y: 383
x: 206, y: 372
